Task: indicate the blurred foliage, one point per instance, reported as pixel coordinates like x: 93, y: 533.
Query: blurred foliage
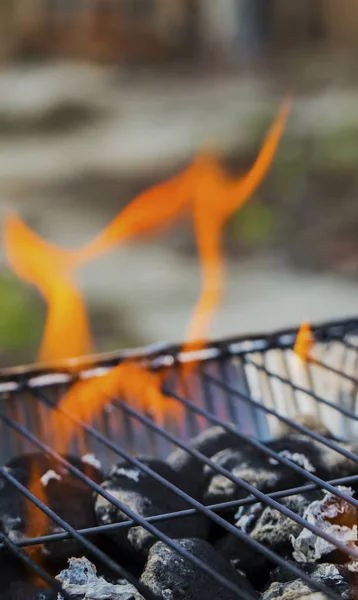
x: 21, y: 316
x: 255, y: 224
x: 339, y: 148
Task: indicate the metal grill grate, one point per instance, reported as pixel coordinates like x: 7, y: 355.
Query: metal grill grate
x: 246, y: 385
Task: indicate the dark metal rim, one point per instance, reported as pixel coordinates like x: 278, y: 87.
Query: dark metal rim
x: 166, y: 355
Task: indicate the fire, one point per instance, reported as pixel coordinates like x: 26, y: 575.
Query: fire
x: 304, y: 342
x: 204, y: 189
x: 216, y: 197
x: 47, y: 267
x: 35, y: 520
x: 211, y: 196
x: 150, y: 212
x: 129, y: 381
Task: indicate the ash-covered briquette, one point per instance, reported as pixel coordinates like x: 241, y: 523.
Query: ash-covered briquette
x: 269, y: 475
x: 331, y: 515
x: 269, y: 527
x: 171, y: 577
x: 336, y: 577
x: 81, y: 582
x: 64, y: 493
x: 27, y: 590
x: 287, y: 538
x: 146, y: 497
x: 293, y: 590
x: 209, y: 442
x: 308, y: 420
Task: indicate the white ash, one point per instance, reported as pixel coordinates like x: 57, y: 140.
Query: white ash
x: 51, y: 474
x: 133, y: 474
x: 308, y: 547
x: 91, y: 459
x: 11, y: 528
x: 291, y: 590
x: 128, y: 498
x: 255, y: 476
x: 327, y: 571
x: 352, y: 566
x: 300, y: 459
x: 81, y: 582
x: 10, y: 523
x: 16, y: 536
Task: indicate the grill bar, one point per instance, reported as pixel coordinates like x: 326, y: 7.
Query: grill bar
x: 301, y: 428
x: 138, y: 520
x: 268, y: 452
x: 200, y: 508
x: 297, y: 388
x: 220, y: 507
x: 91, y: 548
x: 187, y: 555
x: 239, y: 413
x: 163, y: 355
x: 230, y: 528
x: 52, y: 583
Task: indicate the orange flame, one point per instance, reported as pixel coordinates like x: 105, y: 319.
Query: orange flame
x: 151, y: 211
x: 216, y: 198
x: 304, y: 342
x: 35, y: 520
x: 47, y: 267
x: 129, y: 381
x: 212, y: 196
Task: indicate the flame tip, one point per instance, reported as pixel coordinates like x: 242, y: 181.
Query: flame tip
x: 304, y: 341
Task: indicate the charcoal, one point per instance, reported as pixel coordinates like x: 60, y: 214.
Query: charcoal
x: 307, y: 420
x: 336, y: 577
x: 171, y: 577
x: 336, y: 465
x: 12, y: 569
x: 209, y: 442
x: 269, y: 475
x: 146, y: 497
x: 332, y: 515
x: 293, y: 590
x: 327, y: 463
x: 252, y: 467
x: 69, y: 497
x: 269, y: 527
x: 81, y: 582
x: 27, y: 590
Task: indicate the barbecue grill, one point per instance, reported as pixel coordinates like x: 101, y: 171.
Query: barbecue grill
x: 249, y: 386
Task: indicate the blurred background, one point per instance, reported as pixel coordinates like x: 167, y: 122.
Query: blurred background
x: 101, y: 98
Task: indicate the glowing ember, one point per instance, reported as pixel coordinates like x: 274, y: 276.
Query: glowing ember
x: 35, y: 519
x: 304, y: 342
